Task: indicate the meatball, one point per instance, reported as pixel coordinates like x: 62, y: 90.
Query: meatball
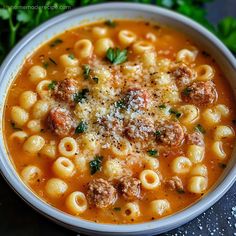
x: 60, y: 121
x: 65, y: 91
x: 200, y: 93
x: 101, y: 193
x: 111, y: 125
x: 183, y: 75
x: 135, y: 99
x: 174, y: 183
x: 139, y: 129
x: 130, y: 188
x: 170, y: 134
x: 195, y: 138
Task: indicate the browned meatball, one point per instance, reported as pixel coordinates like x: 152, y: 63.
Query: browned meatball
x: 170, y: 134
x: 195, y: 138
x: 140, y: 129
x: 65, y: 91
x: 200, y: 93
x: 130, y: 188
x: 60, y: 122
x: 136, y: 99
x: 182, y: 74
x: 174, y: 183
x: 101, y: 193
x: 111, y: 125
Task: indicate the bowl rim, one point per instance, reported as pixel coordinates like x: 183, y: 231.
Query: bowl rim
x: 161, y: 225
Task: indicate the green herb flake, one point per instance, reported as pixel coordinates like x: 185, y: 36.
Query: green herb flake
x: 175, y: 112
x: 222, y: 165
x: 180, y: 191
x: 187, y: 91
x: 117, y: 209
x: 110, y: 23
x: 86, y: 71
x: 120, y: 104
x: 45, y: 65
x: 71, y: 56
x: 52, y: 85
x: 116, y: 56
x: 55, y: 43
x: 95, y: 79
x: 162, y: 106
x: 53, y: 62
x: 152, y: 153
x: 13, y: 125
x: 178, y: 114
x: 95, y: 165
x: 200, y: 128
x: 81, y: 128
x: 158, y: 133
x: 80, y: 96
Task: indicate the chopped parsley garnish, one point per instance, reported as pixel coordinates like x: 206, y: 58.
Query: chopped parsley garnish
x: 120, y: 104
x: 200, y: 128
x: 162, y: 106
x: 158, y: 133
x: 174, y: 112
x: 55, y: 43
x: 95, y: 79
x: 116, y: 56
x: 71, y: 56
x: 152, y: 153
x: 222, y: 165
x: 95, y: 165
x: 45, y: 65
x: 13, y: 125
x: 80, y: 96
x: 110, y: 23
x: 86, y: 71
x: 180, y: 191
x: 52, y: 85
x: 187, y: 91
x: 53, y: 62
x: 117, y: 209
x: 81, y: 128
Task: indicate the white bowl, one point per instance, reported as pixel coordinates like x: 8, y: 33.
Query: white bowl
x: 77, y: 17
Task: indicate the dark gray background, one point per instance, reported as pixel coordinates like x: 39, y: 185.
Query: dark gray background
x: 18, y: 219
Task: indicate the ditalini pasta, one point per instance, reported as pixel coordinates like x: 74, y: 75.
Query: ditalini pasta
x: 115, y: 123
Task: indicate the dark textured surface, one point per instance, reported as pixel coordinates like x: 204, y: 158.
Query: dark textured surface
x: 18, y: 219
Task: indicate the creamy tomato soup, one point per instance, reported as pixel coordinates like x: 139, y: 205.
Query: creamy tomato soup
x: 120, y: 122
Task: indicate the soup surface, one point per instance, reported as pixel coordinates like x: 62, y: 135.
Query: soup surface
x: 116, y: 123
